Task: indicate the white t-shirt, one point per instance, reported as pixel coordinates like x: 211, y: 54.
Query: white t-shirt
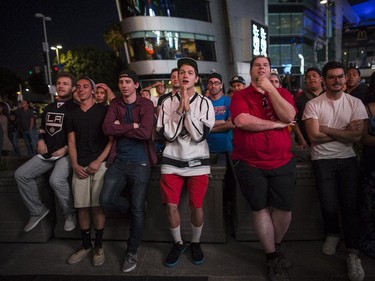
x: 335, y: 114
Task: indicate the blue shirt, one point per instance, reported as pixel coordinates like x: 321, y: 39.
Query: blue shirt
x: 221, y: 142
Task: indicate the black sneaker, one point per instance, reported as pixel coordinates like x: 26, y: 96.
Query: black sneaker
x: 174, y: 255
x: 275, y: 271
x: 196, y: 253
x: 285, y: 262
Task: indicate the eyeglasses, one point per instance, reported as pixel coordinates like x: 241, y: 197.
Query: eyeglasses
x: 216, y: 83
x: 334, y: 77
x: 264, y: 101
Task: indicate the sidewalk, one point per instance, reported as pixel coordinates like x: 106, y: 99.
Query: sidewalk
x: 231, y: 261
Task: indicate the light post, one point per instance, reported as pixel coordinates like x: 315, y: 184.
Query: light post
x: 46, y: 49
x: 327, y: 4
x: 57, y: 48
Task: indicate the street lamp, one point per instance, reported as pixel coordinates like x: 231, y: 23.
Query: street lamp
x: 57, y: 48
x: 327, y: 4
x: 46, y: 49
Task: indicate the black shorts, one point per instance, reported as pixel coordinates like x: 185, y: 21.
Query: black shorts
x: 267, y: 188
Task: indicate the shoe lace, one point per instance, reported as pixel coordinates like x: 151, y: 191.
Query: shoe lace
x: 356, y: 263
x: 98, y: 251
x: 131, y: 259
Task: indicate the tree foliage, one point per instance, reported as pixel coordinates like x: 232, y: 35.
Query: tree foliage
x: 9, y: 84
x: 101, y: 66
x: 114, y: 38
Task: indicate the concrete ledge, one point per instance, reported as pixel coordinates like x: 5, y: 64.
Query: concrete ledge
x: 156, y: 227
x: 306, y: 220
x: 14, y: 215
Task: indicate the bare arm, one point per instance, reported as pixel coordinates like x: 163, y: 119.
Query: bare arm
x: 352, y: 132
x: 284, y: 110
x: 249, y: 122
x: 79, y: 170
x: 315, y: 135
x: 222, y: 126
x: 95, y: 165
x: 301, y: 142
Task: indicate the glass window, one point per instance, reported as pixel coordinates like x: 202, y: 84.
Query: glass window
x: 285, y: 54
x: 285, y: 24
x: 297, y: 24
x: 275, y: 54
x: 192, y: 9
x: 274, y: 23
x: 168, y: 45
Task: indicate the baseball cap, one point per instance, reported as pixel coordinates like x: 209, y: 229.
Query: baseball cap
x: 237, y: 79
x: 317, y: 70
x: 215, y: 75
x: 129, y: 73
x: 188, y: 61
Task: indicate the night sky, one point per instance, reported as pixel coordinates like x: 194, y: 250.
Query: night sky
x: 74, y: 23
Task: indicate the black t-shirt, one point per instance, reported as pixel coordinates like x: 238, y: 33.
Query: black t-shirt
x: 54, y: 121
x: 89, y: 136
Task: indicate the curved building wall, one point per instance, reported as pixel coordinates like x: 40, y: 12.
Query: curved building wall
x: 225, y: 32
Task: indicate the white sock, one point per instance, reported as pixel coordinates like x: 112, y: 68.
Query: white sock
x: 176, y: 234
x: 196, y: 233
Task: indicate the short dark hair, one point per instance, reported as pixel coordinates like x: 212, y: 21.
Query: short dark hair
x: 145, y: 90
x: 352, y: 67
x: 67, y: 75
x: 331, y: 65
x: 257, y: 57
x: 174, y: 69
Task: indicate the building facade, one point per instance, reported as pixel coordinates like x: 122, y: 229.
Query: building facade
x: 224, y: 35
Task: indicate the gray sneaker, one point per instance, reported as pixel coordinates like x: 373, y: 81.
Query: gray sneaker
x: 78, y: 255
x: 70, y: 222
x: 34, y: 220
x: 99, y: 258
x: 130, y: 263
x: 330, y: 245
x: 355, y: 269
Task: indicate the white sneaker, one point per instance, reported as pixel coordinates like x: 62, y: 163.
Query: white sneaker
x: 34, y: 220
x: 355, y: 269
x: 70, y: 222
x: 330, y: 245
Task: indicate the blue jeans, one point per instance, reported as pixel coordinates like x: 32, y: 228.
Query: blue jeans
x: 338, y: 189
x: 25, y: 177
x: 125, y: 185
x: 30, y: 139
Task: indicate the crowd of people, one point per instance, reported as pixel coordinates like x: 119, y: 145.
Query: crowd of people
x: 110, y: 143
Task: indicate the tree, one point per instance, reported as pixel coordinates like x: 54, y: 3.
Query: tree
x: 101, y: 66
x: 114, y: 38
x: 9, y: 84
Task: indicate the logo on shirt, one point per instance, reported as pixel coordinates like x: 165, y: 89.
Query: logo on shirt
x: 54, y: 122
x: 220, y: 110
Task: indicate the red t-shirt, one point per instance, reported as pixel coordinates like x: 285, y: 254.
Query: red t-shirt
x: 266, y: 149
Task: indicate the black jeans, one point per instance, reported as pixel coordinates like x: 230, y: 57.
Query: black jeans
x: 338, y: 189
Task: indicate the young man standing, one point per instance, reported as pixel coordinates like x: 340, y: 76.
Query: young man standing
x: 334, y: 122
x: 220, y: 138
x: 313, y: 88
x: 237, y: 83
x: 263, y: 161
x: 185, y: 120
x: 88, y: 150
x: 52, y: 155
x: 354, y: 86
x: 130, y: 120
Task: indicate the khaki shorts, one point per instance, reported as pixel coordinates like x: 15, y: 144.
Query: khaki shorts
x: 86, y: 192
